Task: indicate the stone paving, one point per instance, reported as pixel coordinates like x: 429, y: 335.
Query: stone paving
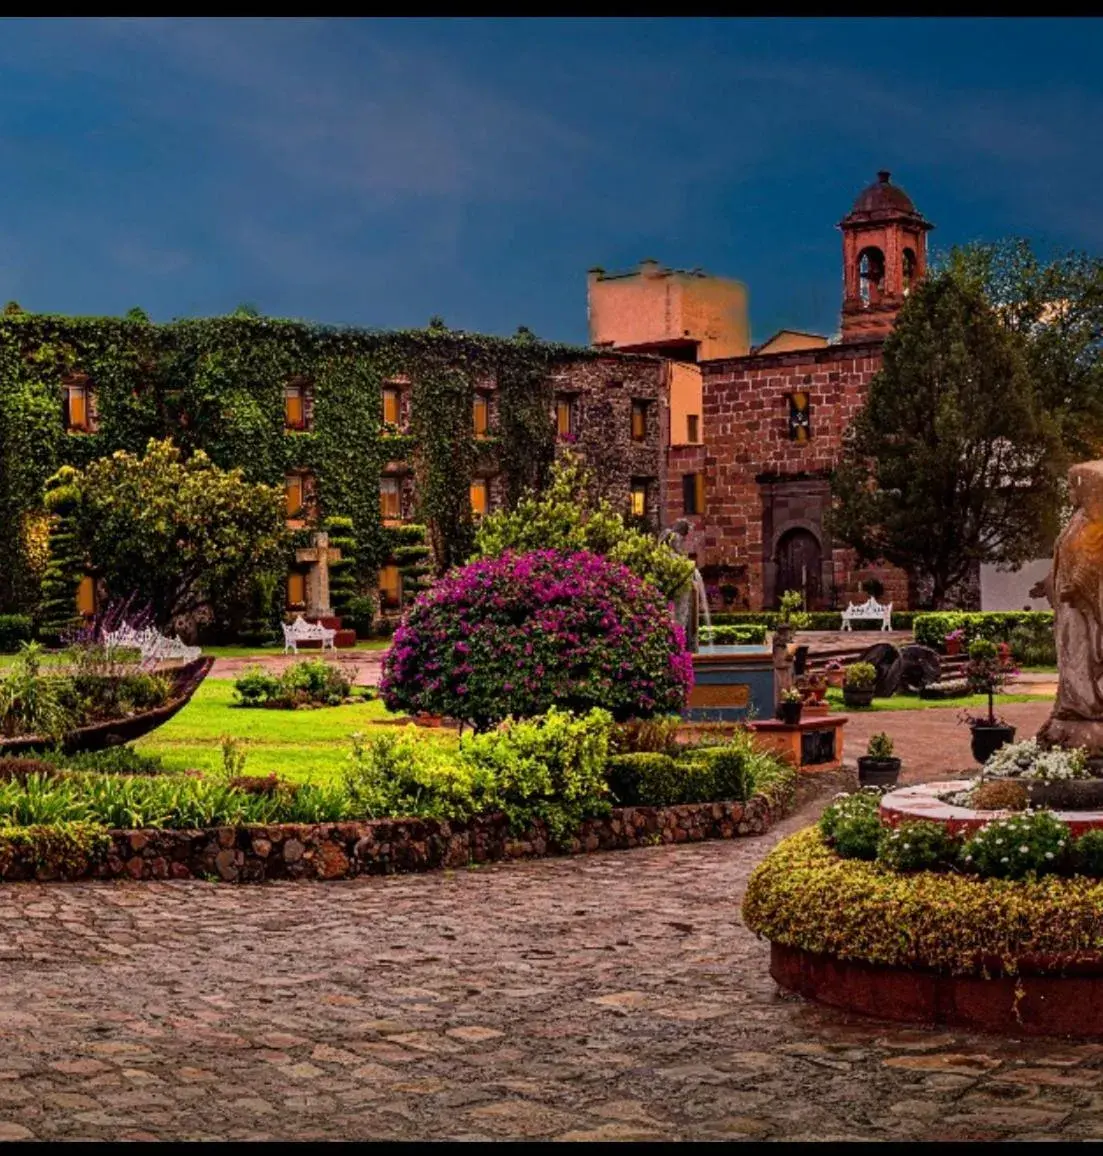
x: 610, y: 997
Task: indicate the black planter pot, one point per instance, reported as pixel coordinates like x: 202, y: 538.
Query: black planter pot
x: 789, y: 712
x: 878, y: 772
x: 857, y: 697
x: 987, y: 740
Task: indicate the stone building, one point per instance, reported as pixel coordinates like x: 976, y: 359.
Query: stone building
x: 755, y: 483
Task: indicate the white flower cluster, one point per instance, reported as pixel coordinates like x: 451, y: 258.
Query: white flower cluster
x: 1028, y: 760
x: 1003, y: 835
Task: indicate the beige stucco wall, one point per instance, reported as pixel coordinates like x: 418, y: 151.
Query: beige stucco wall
x: 684, y: 384
x: 788, y: 340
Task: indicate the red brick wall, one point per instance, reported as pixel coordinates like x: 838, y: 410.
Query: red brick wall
x: 746, y: 434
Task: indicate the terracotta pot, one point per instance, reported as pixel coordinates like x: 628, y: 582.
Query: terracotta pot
x: 952, y: 645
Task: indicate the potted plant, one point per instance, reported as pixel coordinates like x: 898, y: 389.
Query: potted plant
x: 815, y: 687
x: 834, y: 671
x: 790, y: 706
x: 987, y: 672
x: 878, y: 767
x: 953, y: 641
x: 859, y: 679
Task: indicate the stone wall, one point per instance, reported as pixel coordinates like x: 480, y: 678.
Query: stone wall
x: 761, y: 486
x: 385, y: 846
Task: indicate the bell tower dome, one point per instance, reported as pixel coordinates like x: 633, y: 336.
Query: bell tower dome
x: 884, y: 255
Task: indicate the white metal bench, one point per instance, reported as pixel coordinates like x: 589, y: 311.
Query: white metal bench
x: 869, y: 611
x: 302, y: 631
x: 150, y: 643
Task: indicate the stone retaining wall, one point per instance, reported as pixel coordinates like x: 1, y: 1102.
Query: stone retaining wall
x: 386, y: 846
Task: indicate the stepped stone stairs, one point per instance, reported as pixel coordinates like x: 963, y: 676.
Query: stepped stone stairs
x: 848, y: 646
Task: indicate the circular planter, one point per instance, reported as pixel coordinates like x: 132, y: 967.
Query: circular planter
x: 1066, y: 794
x: 988, y: 739
x: 854, y: 697
x: 878, y: 772
x: 789, y: 712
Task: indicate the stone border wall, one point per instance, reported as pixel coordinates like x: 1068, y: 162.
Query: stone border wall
x: 386, y: 846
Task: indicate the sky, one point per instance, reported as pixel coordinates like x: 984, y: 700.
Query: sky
x: 379, y: 172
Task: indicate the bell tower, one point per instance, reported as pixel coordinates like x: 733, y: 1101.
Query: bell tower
x: 884, y: 255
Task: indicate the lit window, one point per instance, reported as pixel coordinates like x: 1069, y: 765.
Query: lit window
x: 693, y: 493
x: 294, y: 409
x: 639, y: 499
x: 639, y: 421
x: 482, y: 415
x: 871, y: 276
x: 296, y: 588
x: 479, y: 497
x: 390, y: 498
x: 296, y: 495
x: 77, y: 407
x: 800, y: 417
x: 390, y: 406
x: 565, y: 417
x: 86, y: 596
x: 692, y: 428
x: 390, y: 585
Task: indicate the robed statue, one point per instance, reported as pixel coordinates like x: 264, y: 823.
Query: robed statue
x: 685, y: 601
x: 1074, y: 588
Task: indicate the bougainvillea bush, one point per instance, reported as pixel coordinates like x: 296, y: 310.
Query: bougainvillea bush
x: 518, y: 634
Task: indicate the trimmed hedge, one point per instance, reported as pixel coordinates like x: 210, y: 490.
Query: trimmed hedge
x: 746, y: 634
x: 992, y: 625
x: 805, y: 896
x: 818, y: 619
x: 14, y: 629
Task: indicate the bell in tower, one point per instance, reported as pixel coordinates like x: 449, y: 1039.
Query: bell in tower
x: 884, y: 255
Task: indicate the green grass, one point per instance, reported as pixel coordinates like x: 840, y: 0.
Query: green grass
x: 270, y: 651
x: 914, y: 702
x: 294, y: 744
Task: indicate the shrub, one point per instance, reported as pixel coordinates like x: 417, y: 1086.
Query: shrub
x: 995, y: 626
x: 1087, y: 854
x: 33, y: 703
x: 1033, y: 843
x: 64, y: 849
x: 1032, y: 641
x: 142, y: 691
x: 361, y: 612
x: 918, y: 846
x: 312, y: 681
x: 790, y: 612
x: 518, y: 634
x: 255, y: 686
x: 14, y: 629
x: 880, y: 746
x: 999, y: 795
x: 17, y: 769
x: 860, y: 676
x: 749, y: 634
x: 644, y: 778
x: 852, y: 824
x: 729, y: 776
x: 1028, y: 759
x: 649, y: 734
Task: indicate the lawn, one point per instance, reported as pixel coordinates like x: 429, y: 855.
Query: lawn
x: 914, y: 702
x: 295, y: 744
x: 276, y: 650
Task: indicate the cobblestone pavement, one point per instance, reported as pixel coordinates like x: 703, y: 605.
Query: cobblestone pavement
x: 606, y: 997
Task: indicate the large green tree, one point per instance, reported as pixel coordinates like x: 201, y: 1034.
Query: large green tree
x: 952, y: 461
x: 177, y: 532
x: 1055, y: 306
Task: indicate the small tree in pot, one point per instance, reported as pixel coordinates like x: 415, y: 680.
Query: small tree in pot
x: 859, y: 679
x: 878, y: 767
x: 987, y: 672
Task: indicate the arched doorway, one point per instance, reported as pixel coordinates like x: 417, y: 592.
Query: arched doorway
x: 798, y: 565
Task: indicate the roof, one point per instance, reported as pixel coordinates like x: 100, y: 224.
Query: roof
x: 883, y: 201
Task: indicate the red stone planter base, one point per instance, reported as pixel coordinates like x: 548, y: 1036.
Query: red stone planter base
x: 1035, y: 1005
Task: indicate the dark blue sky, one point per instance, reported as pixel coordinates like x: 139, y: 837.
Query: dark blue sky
x: 378, y: 172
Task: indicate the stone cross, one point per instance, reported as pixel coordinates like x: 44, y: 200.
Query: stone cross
x: 319, y: 554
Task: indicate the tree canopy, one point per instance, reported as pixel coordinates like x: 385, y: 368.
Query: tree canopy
x: 954, y: 460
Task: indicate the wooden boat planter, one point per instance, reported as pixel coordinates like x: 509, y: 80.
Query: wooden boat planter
x: 114, y: 732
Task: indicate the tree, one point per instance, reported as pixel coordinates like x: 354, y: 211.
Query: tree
x: 1056, y: 307
x: 565, y: 517
x: 178, y: 533
x: 952, y: 462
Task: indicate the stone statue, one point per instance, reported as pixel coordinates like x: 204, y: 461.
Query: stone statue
x: 685, y: 603
x: 1074, y: 588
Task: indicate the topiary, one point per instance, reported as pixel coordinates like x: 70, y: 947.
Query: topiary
x: 342, y: 572
x: 918, y: 846
x: 518, y: 634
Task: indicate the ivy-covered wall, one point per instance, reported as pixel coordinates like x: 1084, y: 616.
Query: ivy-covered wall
x: 219, y: 384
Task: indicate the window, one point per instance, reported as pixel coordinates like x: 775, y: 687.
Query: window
x: 639, y: 499
x: 294, y: 407
x: 390, y: 585
x: 871, y: 276
x: 482, y: 415
x: 800, y: 417
x: 693, y: 493
x: 390, y: 406
x: 296, y: 588
x: 78, y: 405
x: 566, y: 418
x: 693, y: 423
x: 639, y: 421
x: 86, y: 596
x: 295, y: 489
x: 390, y: 497
x: 480, y: 497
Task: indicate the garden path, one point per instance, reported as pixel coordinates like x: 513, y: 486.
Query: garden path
x: 612, y: 996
